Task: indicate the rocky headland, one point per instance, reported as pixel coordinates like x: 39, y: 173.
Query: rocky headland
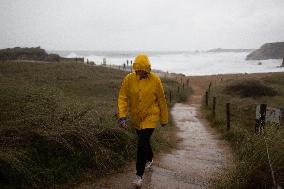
x: 32, y: 54
x: 268, y: 51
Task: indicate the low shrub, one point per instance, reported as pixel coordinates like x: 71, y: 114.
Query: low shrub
x: 250, y: 88
x: 57, y: 124
x: 252, y: 169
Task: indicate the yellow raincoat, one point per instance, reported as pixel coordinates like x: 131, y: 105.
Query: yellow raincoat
x: 143, y: 98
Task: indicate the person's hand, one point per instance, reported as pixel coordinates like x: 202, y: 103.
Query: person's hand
x: 163, y: 125
x: 122, y: 123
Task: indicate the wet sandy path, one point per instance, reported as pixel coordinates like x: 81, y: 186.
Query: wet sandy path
x: 198, y: 157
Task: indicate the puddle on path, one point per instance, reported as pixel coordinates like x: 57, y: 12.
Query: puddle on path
x: 198, y: 157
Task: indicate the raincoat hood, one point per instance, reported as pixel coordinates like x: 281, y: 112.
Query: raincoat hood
x: 142, y: 62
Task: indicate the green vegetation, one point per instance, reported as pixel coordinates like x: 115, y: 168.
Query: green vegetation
x: 252, y: 169
x: 34, y: 53
x: 251, y: 88
x: 58, y: 123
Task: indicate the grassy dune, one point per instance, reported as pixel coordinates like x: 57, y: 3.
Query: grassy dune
x: 252, y: 169
x: 57, y: 122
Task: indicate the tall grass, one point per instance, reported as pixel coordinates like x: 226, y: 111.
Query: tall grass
x: 57, y: 123
x: 252, y: 169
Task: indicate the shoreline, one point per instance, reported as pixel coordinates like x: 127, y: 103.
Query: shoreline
x: 166, y: 74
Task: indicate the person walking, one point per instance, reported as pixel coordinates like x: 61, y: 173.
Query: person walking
x: 142, y: 95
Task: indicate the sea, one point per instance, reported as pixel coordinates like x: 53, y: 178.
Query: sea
x: 188, y: 63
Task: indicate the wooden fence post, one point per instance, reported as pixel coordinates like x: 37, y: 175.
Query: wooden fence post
x: 214, y: 105
x: 178, y: 89
x: 228, y: 116
x: 257, y: 124
x: 209, y: 87
x: 257, y: 121
x: 183, y: 86
x: 262, y: 115
x: 206, y: 98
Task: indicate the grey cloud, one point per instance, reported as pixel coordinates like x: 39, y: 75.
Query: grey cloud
x: 136, y: 24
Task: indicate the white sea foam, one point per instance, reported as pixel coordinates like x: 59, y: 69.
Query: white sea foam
x: 192, y: 63
x: 71, y: 55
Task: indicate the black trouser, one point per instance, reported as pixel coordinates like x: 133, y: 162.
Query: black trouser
x: 144, y: 150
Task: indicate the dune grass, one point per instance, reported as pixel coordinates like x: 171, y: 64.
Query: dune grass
x: 252, y: 169
x: 58, y: 122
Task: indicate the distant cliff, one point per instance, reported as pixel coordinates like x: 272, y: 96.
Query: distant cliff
x: 220, y: 50
x: 268, y: 51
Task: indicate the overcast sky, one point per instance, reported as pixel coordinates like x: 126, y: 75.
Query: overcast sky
x: 140, y: 24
